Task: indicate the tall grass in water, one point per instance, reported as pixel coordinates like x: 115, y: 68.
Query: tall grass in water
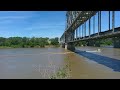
x: 63, y: 73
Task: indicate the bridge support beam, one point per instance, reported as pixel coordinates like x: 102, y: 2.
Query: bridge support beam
x: 70, y: 46
x: 116, y: 42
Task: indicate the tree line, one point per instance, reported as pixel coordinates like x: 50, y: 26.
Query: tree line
x: 102, y: 42
x: 25, y: 42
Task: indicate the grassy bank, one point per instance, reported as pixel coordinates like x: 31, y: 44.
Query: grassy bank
x: 62, y: 73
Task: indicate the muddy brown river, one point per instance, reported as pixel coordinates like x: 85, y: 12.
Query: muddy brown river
x: 41, y: 63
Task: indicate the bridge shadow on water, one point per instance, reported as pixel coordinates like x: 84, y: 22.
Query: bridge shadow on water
x: 109, y: 62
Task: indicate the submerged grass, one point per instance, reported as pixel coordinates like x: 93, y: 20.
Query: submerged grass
x: 63, y: 73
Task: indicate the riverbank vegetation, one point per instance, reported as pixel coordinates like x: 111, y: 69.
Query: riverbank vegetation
x: 63, y: 73
x: 25, y: 42
x: 102, y: 42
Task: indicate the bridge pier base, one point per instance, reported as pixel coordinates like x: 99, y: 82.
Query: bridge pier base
x: 70, y: 46
x: 63, y: 45
x: 116, y: 42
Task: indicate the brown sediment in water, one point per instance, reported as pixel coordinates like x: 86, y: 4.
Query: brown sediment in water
x: 33, y: 63
x: 83, y: 68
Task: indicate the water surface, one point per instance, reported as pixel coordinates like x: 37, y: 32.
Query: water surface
x: 39, y: 63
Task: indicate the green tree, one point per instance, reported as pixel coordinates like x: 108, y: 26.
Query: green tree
x: 54, y: 41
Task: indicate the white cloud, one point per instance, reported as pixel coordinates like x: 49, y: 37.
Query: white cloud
x: 14, y: 17
x: 47, y: 26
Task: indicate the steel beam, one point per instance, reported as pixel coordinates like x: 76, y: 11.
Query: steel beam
x: 93, y: 24
x: 113, y: 20
x: 85, y: 28
x: 109, y: 19
x: 82, y: 30
x: 89, y: 27
x: 76, y: 34
x: 98, y: 23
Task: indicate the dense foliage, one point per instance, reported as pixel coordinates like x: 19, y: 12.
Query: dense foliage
x: 54, y: 41
x: 102, y: 42
x: 25, y: 42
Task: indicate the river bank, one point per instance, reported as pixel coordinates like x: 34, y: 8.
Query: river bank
x: 47, y: 46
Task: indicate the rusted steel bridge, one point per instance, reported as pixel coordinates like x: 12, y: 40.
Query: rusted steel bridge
x: 76, y: 30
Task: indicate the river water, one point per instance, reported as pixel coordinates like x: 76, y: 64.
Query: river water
x: 30, y: 62
x: 40, y: 63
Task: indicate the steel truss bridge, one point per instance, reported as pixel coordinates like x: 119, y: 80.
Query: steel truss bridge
x: 76, y: 28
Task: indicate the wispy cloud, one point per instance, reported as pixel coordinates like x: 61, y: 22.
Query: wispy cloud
x: 6, y: 21
x: 13, y: 17
x: 53, y: 29
x: 47, y: 26
x: 30, y: 24
x: 5, y: 33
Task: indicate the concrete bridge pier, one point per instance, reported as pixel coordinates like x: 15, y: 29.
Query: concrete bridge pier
x: 70, y: 46
x: 63, y: 45
x: 116, y: 42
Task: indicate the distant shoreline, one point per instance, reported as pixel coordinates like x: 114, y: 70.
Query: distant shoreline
x: 47, y: 46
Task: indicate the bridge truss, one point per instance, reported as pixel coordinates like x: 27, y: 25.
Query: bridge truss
x: 76, y: 29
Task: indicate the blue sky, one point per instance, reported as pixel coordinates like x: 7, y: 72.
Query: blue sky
x: 32, y: 23
x: 41, y: 23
